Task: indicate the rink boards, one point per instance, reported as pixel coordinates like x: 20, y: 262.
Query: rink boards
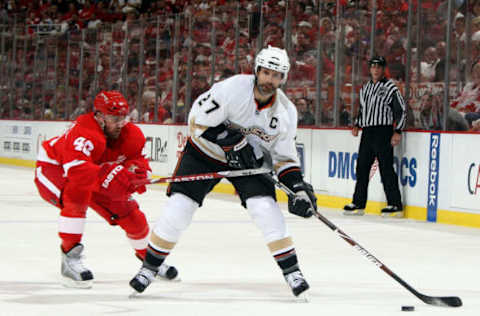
x: 438, y: 172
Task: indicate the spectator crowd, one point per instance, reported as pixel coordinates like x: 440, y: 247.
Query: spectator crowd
x: 56, y: 54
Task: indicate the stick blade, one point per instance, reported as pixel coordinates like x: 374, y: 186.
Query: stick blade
x: 445, y: 301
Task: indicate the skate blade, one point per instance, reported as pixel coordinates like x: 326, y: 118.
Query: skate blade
x: 400, y: 214
x: 354, y: 213
x: 134, y: 295
x: 67, y: 282
x: 302, y: 298
x: 161, y: 278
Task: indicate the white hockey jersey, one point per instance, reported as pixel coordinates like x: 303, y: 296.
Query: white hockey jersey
x: 272, y: 129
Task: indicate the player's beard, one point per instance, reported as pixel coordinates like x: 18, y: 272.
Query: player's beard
x: 266, y: 89
x: 114, y: 133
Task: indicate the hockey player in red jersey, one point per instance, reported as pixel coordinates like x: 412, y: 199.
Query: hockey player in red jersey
x: 92, y: 165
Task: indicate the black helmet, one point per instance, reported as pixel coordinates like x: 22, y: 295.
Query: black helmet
x: 378, y: 60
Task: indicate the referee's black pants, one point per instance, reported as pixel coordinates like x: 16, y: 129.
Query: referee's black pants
x: 375, y: 142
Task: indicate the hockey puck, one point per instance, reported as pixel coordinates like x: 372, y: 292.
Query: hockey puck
x: 408, y: 308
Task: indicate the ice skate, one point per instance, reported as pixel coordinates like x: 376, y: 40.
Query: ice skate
x: 168, y: 273
x: 74, y: 273
x: 392, y: 211
x: 352, y: 209
x: 165, y: 272
x: 298, y: 284
x: 143, y: 279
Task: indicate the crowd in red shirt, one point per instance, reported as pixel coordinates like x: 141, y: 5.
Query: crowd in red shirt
x: 213, y: 51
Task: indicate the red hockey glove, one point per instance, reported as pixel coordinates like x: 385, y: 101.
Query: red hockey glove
x: 141, y: 169
x: 116, y: 181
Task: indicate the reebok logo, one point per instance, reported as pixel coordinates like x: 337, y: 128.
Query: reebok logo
x: 433, y: 175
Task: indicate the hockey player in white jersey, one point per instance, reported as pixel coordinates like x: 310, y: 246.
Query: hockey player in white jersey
x: 230, y: 127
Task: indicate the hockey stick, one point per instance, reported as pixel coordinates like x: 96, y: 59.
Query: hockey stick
x: 446, y: 301
x: 203, y: 176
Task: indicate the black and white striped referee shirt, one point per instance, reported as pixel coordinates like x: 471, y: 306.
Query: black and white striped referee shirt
x: 381, y: 104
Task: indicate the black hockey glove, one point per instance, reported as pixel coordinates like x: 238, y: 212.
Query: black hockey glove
x: 304, y: 202
x: 238, y: 152
x: 240, y: 155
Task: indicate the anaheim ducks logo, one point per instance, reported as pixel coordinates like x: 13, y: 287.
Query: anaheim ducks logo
x: 259, y: 132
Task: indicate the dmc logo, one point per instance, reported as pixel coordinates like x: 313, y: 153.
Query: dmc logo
x: 341, y: 165
x: 433, y: 171
x: 472, y: 187
x: 111, y: 175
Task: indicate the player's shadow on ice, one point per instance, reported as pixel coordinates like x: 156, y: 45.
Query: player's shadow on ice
x: 23, y: 287
x: 52, y: 293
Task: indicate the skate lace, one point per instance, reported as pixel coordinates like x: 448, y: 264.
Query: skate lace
x: 162, y: 270
x: 145, y: 276
x: 76, y: 264
x: 294, y: 279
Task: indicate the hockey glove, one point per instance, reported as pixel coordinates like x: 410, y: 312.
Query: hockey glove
x: 116, y: 181
x: 240, y: 155
x: 238, y: 152
x: 141, y: 169
x: 304, y: 202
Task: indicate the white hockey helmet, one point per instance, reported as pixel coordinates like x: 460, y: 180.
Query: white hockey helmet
x: 273, y: 58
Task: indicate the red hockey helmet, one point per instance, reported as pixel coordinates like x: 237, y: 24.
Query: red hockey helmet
x: 111, y: 103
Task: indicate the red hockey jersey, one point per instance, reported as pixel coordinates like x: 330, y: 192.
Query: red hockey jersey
x: 79, y: 151
x: 127, y: 148
x: 83, y: 148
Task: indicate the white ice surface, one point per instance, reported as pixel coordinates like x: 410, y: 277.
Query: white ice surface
x: 225, y: 267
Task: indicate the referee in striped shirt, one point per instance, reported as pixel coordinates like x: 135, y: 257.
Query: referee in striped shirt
x: 382, y: 118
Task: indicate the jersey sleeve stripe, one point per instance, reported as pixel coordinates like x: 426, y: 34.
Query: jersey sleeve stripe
x: 43, y: 156
x: 288, y: 169
x: 74, y: 163
x: 47, y: 183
